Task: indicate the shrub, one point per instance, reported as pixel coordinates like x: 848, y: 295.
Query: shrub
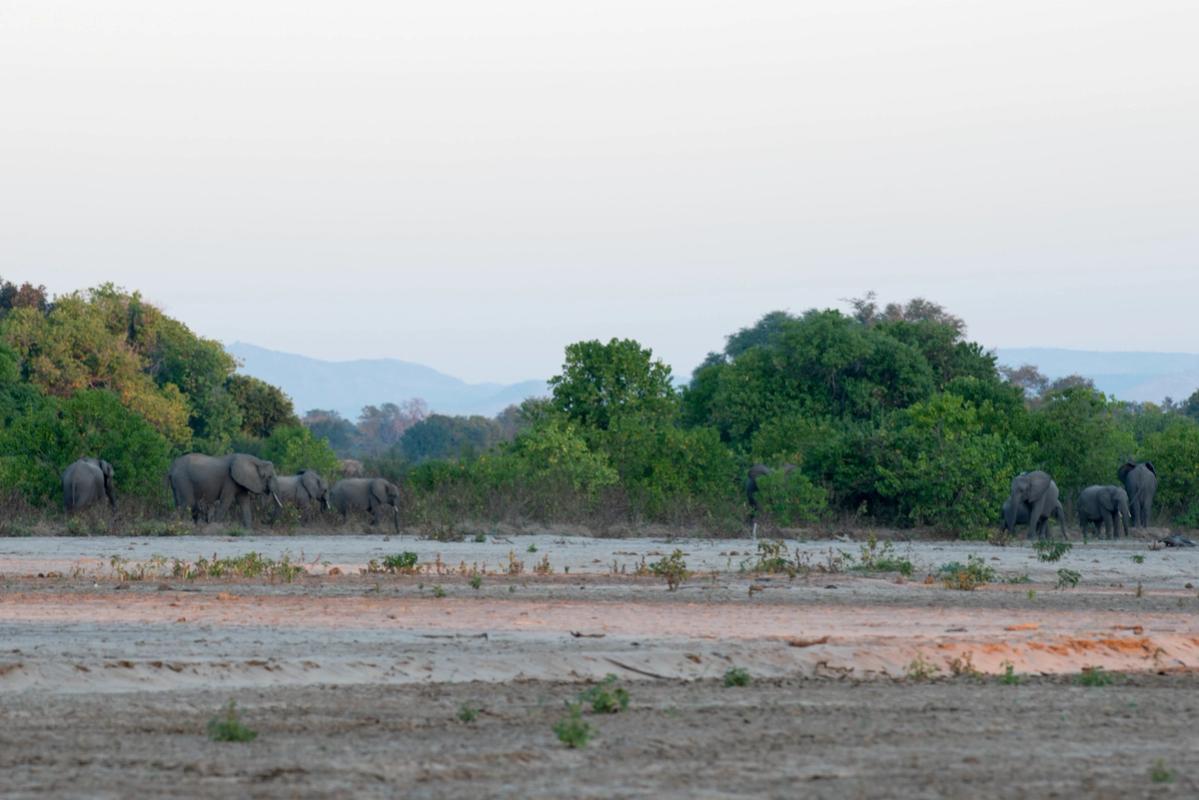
x: 607, y: 697
x: 228, y: 727
x: 673, y: 568
x: 737, y: 677
x: 572, y: 730
x: 1050, y: 550
x: 968, y: 577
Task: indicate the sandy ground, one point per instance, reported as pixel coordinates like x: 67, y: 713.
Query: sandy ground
x: 354, y: 680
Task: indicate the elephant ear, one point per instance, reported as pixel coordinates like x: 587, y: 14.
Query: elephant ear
x: 378, y: 493
x: 245, y: 472
x: 311, y: 483
x: 1149, y: 466
x: 1125, y: 468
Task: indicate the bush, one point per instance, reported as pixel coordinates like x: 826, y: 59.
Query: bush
x: 790, y: 499
x: 228, y: 727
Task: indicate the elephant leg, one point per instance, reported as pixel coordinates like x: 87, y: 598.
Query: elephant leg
x: 243, y: 502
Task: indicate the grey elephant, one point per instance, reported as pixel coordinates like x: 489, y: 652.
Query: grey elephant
x: 1057, y: 513
x: 201, y: 483
x: 88, y: 481
x: 1140, y: 481
x: 372, y: 495
x: 306, y: 490
x: 1035, y: 494
x: 1104, y: 507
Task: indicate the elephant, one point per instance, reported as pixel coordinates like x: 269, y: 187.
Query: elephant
x: 200, y: 482
x: 366, y: 494
x: 1105, y: 507
x: 1035, y: 494
x: 304, y: 490
x: 87, y: 481
x: 352, y: 468
x: 1022, y: 517
x: 751, y: 489
x: 1140, y: 481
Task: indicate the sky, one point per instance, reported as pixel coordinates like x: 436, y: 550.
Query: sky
x: 472, y: 184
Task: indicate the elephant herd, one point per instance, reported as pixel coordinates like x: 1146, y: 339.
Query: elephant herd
x: 1035, y: 500
x: 209, y: 486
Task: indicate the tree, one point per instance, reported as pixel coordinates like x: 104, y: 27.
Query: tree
x: 380, y: 427
x: 600, y: 382
x: 293, y: 448
x: 263, y: 407
x: 1077, y: 440
x: 339, y: 432
x: 445, y: 437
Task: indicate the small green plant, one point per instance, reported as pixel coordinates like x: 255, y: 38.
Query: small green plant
x: 438, y: 592
x: 921, y: 670
x: 480, y: 538
x: 1068, y: 578
x: 400, y: 562
x: 607, y: 697
x: 572, y: 730
x: 227, y: 727
x: 673, y: 568
x: 1094, y: 676
x: 773, y: 557
x: 1138, y: 559
x: 737, y: 677
x: 476, y: 581
x: 1049, y: 550
x: 967, y: 577
x: 1160, y: 773
x: 532, y: 548
x: 875, y: 558
x: 467, y: 713
x: 1032, y: 594
x: 963, y: 666
x: 1017, y: 579
x: 1009, y: 676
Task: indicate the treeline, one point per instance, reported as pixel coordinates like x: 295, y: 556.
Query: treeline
x: 104, y: 373
x: 891, y: 415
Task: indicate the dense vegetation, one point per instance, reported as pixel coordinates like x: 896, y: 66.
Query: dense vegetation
x: 891, y: 415
x: 103, y: 373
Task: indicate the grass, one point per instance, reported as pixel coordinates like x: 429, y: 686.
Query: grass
x: 467, y: 713
x: 1068, y: 578
x: 1095, y: 676
x: 737, y: 677
x: 249, y: 565
x: 480, y: 538
x: 532, y: 548
x: 673, y: 568
x: 921, y: 670
x: 400, y: 562
x: 1160, y: 773
x: 1049, y: 550
x: 572, y: 730
x: 967, y: 577
x: 1138, y: 559
x: 438, y: 592
x: 963, y: 666
x: 876, y: 558
x: 228, y: 727
x: 773, y: 558
x: 1009, y: 676
x: 476, y: 581
x: 607, y: 697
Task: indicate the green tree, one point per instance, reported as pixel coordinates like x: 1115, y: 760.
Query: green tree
x: 1076, y: 438
x: 263, y: 407
x: 602, y: 381
x: 293, y: 448
x: 1174, y: 452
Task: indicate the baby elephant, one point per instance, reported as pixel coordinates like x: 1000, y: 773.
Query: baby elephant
x: 1105, y: 507
x: 305, y: 490
x: 373, y: 495
x: 88, y: 481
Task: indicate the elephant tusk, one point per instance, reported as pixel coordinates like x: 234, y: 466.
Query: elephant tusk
x: 277, y: 501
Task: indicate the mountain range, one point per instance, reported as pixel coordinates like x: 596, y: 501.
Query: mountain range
x: 347, y: 386
x: 1135, y: 376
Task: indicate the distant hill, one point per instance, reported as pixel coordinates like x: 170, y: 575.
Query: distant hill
x: 347, y: 386
x: 1129, y: 376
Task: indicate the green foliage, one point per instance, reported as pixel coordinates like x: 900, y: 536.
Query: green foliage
x: 1094, y: 677
x: 1009, y: 676
x: 874, y: 557
x: 672, y: 568
x: 228, y: 727
x: 941, y: 466
x: 400, y: 562
x: 1077, y: 439
x: 607, y: 697
x: 600, y: 382
x: 263, y: 407
x: 1175, y: 455
x: 969, y: 576
x: 919, y: 669
x: 467, y: 713
x: 737, y: 677
x: 1160, y: 773
x: 572, y: 730
x: 790, y: 498
x: 1068, y: 578
x: 1050, y: 550
x: 442, y: 437
x: 293, y: 448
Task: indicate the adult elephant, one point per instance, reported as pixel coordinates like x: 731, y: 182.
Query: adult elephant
x: 1035, y: 494
x: 305, y: 490
x: 88, y: 481
x: 1106, y: 508
x: 371, y: 495
x: 202, y: 482
x: 1057, y: 513
x: 1140, y: 481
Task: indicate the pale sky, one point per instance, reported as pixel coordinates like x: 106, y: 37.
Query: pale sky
x: 474, y: 184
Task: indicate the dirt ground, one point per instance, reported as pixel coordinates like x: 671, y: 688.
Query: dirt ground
x: 863, y: 685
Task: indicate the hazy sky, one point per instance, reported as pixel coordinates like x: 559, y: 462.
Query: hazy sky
x: 473, y: 184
